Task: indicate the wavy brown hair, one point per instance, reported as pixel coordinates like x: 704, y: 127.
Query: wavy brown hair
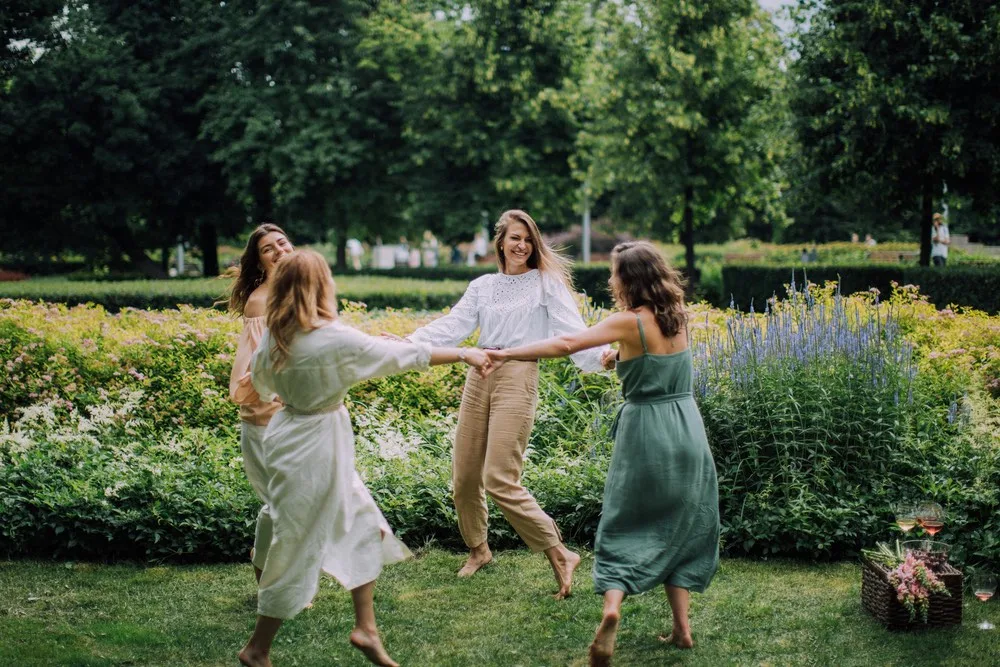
x: 250, y: 274
x: 302, y: 297
x: 640, y: 276
x: 543, y: 256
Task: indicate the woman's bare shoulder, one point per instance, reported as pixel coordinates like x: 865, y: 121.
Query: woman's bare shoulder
x: 256, y: 303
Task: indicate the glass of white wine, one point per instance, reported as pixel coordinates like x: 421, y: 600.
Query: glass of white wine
x: 984, y: 586
x: 906, y: 516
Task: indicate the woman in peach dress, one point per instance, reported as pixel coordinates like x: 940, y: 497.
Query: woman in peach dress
x: 267, y: 246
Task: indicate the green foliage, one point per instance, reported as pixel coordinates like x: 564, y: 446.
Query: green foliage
x: 685, y: 123
x: 120, y: 441
x: 894, y: 105
x: 973, y: 286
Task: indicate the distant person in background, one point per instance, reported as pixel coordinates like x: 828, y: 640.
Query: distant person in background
x: 804, y: 257
x: 456, y: 254
x: 854, y: 237
x: 940, y: 240
x: 429, y: 248
x: 869, y: 241
x: 355, y: 250
x: 813, y: 255
x: 402, y: 252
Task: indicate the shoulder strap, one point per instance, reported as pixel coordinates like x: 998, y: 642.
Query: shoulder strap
x: 642, y: 334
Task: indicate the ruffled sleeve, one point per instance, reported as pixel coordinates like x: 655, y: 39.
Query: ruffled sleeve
x: 262, y: 372
x: 564, y: 318
x: 460, y: 322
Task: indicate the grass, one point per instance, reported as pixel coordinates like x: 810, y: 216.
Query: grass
x: 755, y: 613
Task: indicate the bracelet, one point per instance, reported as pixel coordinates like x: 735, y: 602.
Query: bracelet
x: 461, y: 354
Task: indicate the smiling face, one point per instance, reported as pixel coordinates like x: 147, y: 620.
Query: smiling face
x: 271, y: 248
x: 517, y: 248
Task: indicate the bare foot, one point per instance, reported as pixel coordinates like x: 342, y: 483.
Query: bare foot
x: 603, y: 646
x: 250, y: 658
x: 564, y: 574
x: 370, y: 644
x: 678, y: 639
x: 476, y: 562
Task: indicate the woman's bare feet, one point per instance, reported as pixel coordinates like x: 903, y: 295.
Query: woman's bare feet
x: 603, y: 646
x: 478, y: 558
x: 564, y: 563
x: 370, y: 644
x: 679, y: 638
x: 251, y: 658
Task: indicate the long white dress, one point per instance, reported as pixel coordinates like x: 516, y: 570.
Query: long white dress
x: 324, y: 518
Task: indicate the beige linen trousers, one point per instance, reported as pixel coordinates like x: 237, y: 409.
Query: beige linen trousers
x: 494, y: 422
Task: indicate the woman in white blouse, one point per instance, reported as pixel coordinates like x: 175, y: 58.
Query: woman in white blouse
x: 324, y: 519
x: 528, y: 301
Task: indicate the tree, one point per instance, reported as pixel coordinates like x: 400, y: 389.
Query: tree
x: 106, y: 127
x: 306, y: 128
x: 487, y: 122
x: 686, y: 128
x: 896, y: 99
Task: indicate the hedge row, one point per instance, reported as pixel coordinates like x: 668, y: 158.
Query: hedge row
x: 975, y: 286
x: 589, y: 278
x: 204, y: 293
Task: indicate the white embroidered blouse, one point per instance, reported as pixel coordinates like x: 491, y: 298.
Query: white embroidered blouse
x: 511, y: 311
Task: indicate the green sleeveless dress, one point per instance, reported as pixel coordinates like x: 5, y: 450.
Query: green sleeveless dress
x: 660, y: 518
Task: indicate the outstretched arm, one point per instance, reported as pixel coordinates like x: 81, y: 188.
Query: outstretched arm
x: 613, y: 328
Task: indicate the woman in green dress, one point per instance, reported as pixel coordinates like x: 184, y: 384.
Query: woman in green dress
x: 660, y: 517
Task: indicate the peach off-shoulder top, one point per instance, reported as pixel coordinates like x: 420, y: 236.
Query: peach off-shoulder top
x: 241, y: 391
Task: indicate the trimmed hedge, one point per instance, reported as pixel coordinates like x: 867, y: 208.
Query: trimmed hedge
x: 589, y: 278
x: 975, y: 286
x: 376, y: 293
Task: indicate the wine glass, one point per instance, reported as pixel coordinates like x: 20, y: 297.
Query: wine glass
x: 930, y: 516
x: 906, y: 516
x: 984, y: 585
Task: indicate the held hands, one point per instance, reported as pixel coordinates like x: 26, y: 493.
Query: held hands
x: 497, y: 359
x: 391, y: 336
x: 609, y: 358
x: 476, y: 358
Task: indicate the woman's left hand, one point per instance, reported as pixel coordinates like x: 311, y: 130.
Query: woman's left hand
x: 497, y: 359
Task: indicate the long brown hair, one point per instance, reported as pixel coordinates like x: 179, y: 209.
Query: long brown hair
x: 640, y: 276
x: 302, y: 297
x: 250, y: 273
x: 543, y: 257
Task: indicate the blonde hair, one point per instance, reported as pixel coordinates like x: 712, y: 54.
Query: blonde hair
x: 640, y: 276
x: 543, y: 257
x: 302, y: 297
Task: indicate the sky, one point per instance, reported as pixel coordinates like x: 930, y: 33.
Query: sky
x: 774, y: 6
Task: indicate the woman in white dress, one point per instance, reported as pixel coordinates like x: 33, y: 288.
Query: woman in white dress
x: 267, y: 245
x: 324, y: 519
x: 527, y: 301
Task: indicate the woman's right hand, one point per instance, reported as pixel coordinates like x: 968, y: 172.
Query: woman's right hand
x: 609, y: 358
x: 476, y: 357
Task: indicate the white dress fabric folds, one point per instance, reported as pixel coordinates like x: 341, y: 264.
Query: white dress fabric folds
x: 324, y: 519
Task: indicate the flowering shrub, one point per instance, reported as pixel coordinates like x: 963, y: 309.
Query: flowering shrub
x: 914, y: 583
x: 821, y: 412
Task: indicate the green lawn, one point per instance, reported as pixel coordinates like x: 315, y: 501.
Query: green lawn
x: 756, y: 613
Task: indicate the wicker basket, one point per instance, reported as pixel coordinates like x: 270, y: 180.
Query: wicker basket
x: 878, y: 597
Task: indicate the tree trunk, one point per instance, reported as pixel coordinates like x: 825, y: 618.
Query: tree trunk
x: 165, y: 259
x: 263, y: 201
x: 138, y: 259
x: 208, y: 241
x: 688, y: 234
x: 926, y: 219
x: 342, y: 248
